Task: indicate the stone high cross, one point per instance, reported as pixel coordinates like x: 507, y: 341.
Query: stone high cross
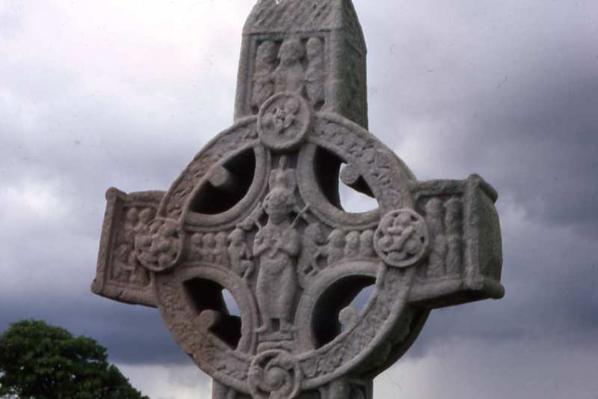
x: 257, y: 214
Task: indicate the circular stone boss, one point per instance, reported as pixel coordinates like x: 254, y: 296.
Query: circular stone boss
x: 283, y: 121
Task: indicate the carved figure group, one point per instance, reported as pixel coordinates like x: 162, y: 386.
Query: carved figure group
x: 210, y: 247
x: 444, y: 221
x: 296, y: 67
x: 127, y: 267
x: 351, y: 245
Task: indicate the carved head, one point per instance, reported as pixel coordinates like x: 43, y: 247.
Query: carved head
x: 290, y: 51
x: 434, y: 207
x: 453, y: 207
x: 221, y: 239
x: 314, y: 47
x: 314, y: 231
x: 236, y: 236
x: 337, y: 238
x: 353, y: 239
x: 266, y: 52
x: 132, y: 215
x: 196, y: 239
x: 208, y: 240
x: 146, y: 215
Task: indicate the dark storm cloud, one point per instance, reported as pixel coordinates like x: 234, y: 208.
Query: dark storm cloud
x: 507, y: 89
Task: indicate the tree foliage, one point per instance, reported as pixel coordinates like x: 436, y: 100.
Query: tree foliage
x: 39, y: 361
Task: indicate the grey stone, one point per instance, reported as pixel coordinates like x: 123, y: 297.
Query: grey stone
x: 257, y: 213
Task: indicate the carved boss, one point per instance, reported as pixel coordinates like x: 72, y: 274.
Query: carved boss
x: 257, y: 214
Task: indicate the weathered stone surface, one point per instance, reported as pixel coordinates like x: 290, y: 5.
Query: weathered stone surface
x: 257, y: 214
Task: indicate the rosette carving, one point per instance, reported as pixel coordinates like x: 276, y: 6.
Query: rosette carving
x: 401, y: 239
x: 159, y: 247
x: 274, y: 374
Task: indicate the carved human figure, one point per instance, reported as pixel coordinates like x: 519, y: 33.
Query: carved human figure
x: 314, y: 74
x: 336, y: 246
x: 366, y: 244
x: 277, y: 245
x: 207, y: 248
x: 289, y: 73
x: 238, y: 253
x: 127, y: 266
x: 263, y: 78
x: 453, y: 217
x: 123, y: 261
x: 311, y: 252
x: 352, y: 244
x: 197, y: 245
x: 435, y: 220
x: 131, y: 223
x: 145, y: 217
x: 220, y: 249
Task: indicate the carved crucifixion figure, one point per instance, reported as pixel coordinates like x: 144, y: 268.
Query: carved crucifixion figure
x: 326, y: 299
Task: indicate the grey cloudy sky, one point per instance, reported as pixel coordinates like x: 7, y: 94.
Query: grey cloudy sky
x: 124, y: 92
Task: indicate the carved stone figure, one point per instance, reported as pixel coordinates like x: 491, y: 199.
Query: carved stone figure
x: 336, y: 246
x: 454, y: 215
x: 366, y: 245
x: 314, y: 74
x: 277, y: 246
x: 256, y: 216
x: 352, y: 242
x: 238, y: 252
x: 208, y: 247
x: 263, y: 79
x: 312, y: 252
x: 289, y: 73
x: 197, y: 250
x: 220, y: 249
x: 435, y: 219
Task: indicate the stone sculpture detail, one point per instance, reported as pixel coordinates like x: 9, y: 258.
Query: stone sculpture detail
x: 159, y: 245
x: 401, y: 238
x: 283, y: 121
x: 274, y: 374
x: 325, y: 299
x: 277, y: 245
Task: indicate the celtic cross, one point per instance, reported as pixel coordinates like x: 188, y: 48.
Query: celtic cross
x: 257, y: 214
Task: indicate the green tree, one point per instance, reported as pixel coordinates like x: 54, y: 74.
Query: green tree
x: 39, y: 361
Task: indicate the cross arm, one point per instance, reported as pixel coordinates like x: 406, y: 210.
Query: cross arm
x: 119, y: 275
x: 465, y: 255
